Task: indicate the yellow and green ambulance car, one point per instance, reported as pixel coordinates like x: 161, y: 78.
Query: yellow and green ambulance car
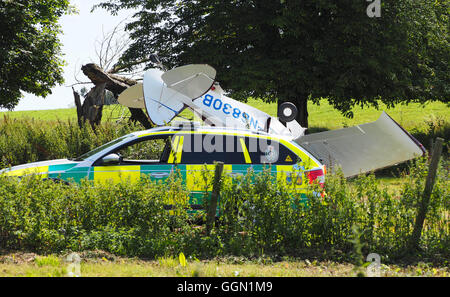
x: 190, y: 150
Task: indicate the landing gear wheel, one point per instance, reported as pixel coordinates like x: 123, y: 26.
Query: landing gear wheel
x: 287, y: 112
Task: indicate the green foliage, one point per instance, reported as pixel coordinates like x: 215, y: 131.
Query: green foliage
x: 436, y: 126
x: 30, y: 51
x: 122, y: 218
x: 258, y: 217
x: 295, y: 50
x: 24, y: 141
x: 47, y: 261
x: 261, y: 209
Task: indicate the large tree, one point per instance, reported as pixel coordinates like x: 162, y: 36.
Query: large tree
x: 291, y: 50
x: 30, y: 51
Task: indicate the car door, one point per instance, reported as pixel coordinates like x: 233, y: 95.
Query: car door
x: 147, y: 156
x: 270, y: 154
x: 199, y: 153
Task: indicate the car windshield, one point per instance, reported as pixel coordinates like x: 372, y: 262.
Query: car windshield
x: 100, y: 148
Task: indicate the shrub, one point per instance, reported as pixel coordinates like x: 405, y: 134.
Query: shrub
x: 24, y: 140
x: 258, y: 216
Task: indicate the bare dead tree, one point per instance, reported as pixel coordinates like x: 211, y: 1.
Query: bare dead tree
x: 110, y: 48
x: 115, y: 84
x: 108, y: 74
x: 92, y: 107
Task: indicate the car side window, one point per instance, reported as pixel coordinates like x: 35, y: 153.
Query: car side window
x: 209, y: 148
x: 267, y: 151
x: 147, y: 151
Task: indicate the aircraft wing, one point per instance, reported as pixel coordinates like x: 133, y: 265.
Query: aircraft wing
x: 192, y: 81
x: 166, y: 94
x: 363, y: 148
x: 133, y: 97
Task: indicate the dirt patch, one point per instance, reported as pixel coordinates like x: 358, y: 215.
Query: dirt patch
x: 97, y: 256
x: 17, y: 258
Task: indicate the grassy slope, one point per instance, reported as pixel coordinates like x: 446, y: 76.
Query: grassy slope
x: 57, y: 114
x: 321, y: 116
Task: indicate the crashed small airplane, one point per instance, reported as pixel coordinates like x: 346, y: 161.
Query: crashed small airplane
x: 358, y: 149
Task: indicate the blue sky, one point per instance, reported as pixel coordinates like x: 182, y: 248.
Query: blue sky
x: 80, y: 32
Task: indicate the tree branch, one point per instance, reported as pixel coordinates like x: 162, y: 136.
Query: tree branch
x: 118, y: 68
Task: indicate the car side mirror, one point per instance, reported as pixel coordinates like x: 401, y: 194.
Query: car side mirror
x: 111, y: 159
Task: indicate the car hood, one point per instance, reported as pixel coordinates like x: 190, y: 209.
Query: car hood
x: 39, y: 167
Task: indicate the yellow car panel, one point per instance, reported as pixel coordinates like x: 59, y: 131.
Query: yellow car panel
x: 177, y: 150
x: 248, y: 160
x: 116, y: 173
x: 42, y: 171
x: 291, y: 177
x: 196, y: 174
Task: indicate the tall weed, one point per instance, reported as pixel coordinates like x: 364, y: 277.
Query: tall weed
x: 26, y: 140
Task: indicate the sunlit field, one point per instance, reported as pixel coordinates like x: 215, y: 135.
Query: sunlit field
x: 413, y: 115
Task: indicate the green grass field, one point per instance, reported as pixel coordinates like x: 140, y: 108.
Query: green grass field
x: 62, y: 114
x: 321, y: 116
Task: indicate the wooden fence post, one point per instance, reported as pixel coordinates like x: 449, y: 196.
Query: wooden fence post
x: 211, y: 214
x: 421, y: 214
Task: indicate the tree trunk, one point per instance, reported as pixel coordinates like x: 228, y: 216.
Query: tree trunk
x: 115, y: 84
x: 92, y: 107
x: 137, y: 115
x: 79, y: 107
x: 302, y: 116
x: 93, y: 104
